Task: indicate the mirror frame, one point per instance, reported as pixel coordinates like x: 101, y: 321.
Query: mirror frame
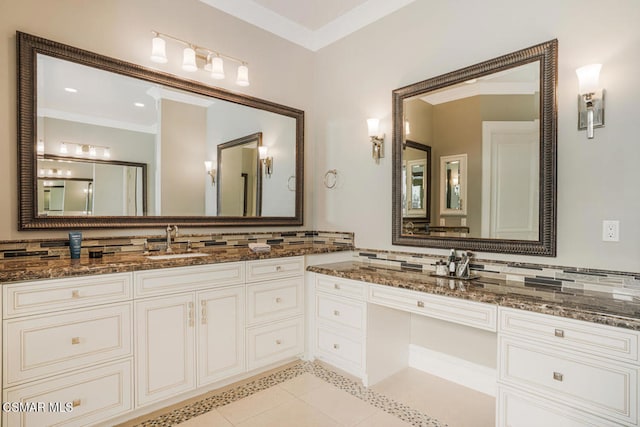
x: 29, y: 46
x: 547, y: 54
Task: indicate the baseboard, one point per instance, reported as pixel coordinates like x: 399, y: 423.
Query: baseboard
x: 471, y: 375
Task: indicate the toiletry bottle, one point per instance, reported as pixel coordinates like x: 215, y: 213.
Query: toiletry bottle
x: 452, y: 263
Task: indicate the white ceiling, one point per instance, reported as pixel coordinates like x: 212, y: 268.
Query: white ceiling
x: 312, y: 24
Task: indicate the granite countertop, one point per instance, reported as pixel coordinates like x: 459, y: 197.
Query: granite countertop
x: 599, y: 307
x: 49, y: 268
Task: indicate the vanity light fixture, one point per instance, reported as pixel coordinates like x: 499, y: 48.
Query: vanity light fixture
x: 590, y: 99
x: 85, y: 150
x: 63, y: 148
x: 267, y: 161
x: 208, y: 165
x: 377, y: 141
x: 214, y: 60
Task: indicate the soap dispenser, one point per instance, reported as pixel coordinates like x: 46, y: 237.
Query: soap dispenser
x: 452, y: 262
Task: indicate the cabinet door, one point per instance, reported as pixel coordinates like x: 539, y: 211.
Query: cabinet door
x: 220, y: 334
x: 165, y: 345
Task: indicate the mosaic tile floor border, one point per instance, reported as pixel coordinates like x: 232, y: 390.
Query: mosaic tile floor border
x: 377, y: 400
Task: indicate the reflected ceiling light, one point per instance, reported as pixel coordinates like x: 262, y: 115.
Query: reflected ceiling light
x: 208, y: 165
x: 377, y: 141
x: 590, y: 99
x: 138, y: 104
x: 267, y: 162
x: 213, y: 60
x: 71, y: 90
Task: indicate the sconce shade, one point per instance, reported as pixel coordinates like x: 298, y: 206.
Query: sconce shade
x: 158, y: 50
x: 262, y: 150
x: 588, y: 77
x: 63, y: 148
x: 372, y: 126
x: 189, y: 60
x: 243, y: 76
x: 207, y: 165
x: 217, y: 68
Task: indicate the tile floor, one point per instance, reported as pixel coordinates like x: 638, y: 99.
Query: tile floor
x: 315, y: 395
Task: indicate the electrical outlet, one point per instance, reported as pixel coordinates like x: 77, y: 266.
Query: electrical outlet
x: 610, y: 231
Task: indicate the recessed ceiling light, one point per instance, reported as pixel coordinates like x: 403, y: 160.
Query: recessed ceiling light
x: 138, y: 104
x: 71, y: 90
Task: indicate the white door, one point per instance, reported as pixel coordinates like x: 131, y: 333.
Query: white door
x: 220, y: 334
x: 510, y: 180
x: 165, y: 347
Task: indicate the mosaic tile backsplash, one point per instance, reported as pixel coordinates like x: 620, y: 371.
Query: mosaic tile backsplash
x: 535, y: 274
x: 59, y: 248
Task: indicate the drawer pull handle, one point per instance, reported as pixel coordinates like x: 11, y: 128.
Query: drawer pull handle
x: 336, y: 346
x: 278, y: 342
x: 203, y: 312
x: 420, y: 304
x: 75, y: 293
x: 278, y: 300
x: 336, y: 313
x: 75, y: 340
x: 336, y: 286
x: 76, y: 402
x: 557, y: 376
x: 559, y: 333
x: 190, y: 315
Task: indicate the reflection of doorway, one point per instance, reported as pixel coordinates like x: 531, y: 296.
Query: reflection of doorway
x: 510, y: 185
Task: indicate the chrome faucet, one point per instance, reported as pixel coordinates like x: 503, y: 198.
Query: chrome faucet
x: 170, y: 229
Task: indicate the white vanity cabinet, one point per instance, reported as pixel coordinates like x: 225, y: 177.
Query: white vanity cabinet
x: 275, y: 310
x: 68, y: 343
x: 187, y: 339
x: 558, y: 371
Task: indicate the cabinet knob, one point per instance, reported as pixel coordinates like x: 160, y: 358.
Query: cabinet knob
x: 336, y: 313
x: 76, y: 402
x: 336, y: 286
x: 336, y: 346
x: 559, y: 333
x: 278, y: 268
x: 278, y: 342
x: 420, y: 304
x: 75, y: 340
x: 75, y: 293
x: 278, y: 300
x: 557, y: 376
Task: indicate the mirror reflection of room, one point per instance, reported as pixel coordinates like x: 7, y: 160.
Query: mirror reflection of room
x: 484, y: 137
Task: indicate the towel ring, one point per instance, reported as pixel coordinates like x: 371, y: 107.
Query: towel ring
x: 289, y: 183
x: 330, y: 182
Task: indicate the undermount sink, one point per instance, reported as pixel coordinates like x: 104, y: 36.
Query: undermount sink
x: 174, y: 256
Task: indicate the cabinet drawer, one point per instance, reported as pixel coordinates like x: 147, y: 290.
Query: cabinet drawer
x: 275, y: 342
x: 84, y: 398
x: 517, y: 409
x: 342, y: 287
x: 276, y: 268
x: 577, y: 335
x: 167, y: 280
x: 275, y: 300
x: 341, y: 348
x: 47, y: 345
x: 341, y: 312
x: 601, y: 387
x: 60, y: 294
x: 470, y: 313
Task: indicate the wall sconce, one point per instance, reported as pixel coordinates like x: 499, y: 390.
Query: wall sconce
x: 213, y: 60
x: 377, y: 149
x: 267, y: 162
x: 590, y: 99
x: 208, y: 165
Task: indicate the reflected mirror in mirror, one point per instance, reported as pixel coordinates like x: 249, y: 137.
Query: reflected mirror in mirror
x: 239, y: 177
x: 416, y: 185
x: 89, y: 107
x: 491, y: 129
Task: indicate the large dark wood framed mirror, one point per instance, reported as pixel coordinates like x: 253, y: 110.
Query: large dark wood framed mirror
x: 75, y: 103
x: 491, y: 129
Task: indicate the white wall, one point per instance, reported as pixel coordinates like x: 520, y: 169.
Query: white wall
x: 597, y: 179
x: 279, y: 71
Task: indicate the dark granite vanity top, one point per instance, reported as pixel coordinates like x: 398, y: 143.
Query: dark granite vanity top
x: 48, y: 268
x: 598, y: 307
